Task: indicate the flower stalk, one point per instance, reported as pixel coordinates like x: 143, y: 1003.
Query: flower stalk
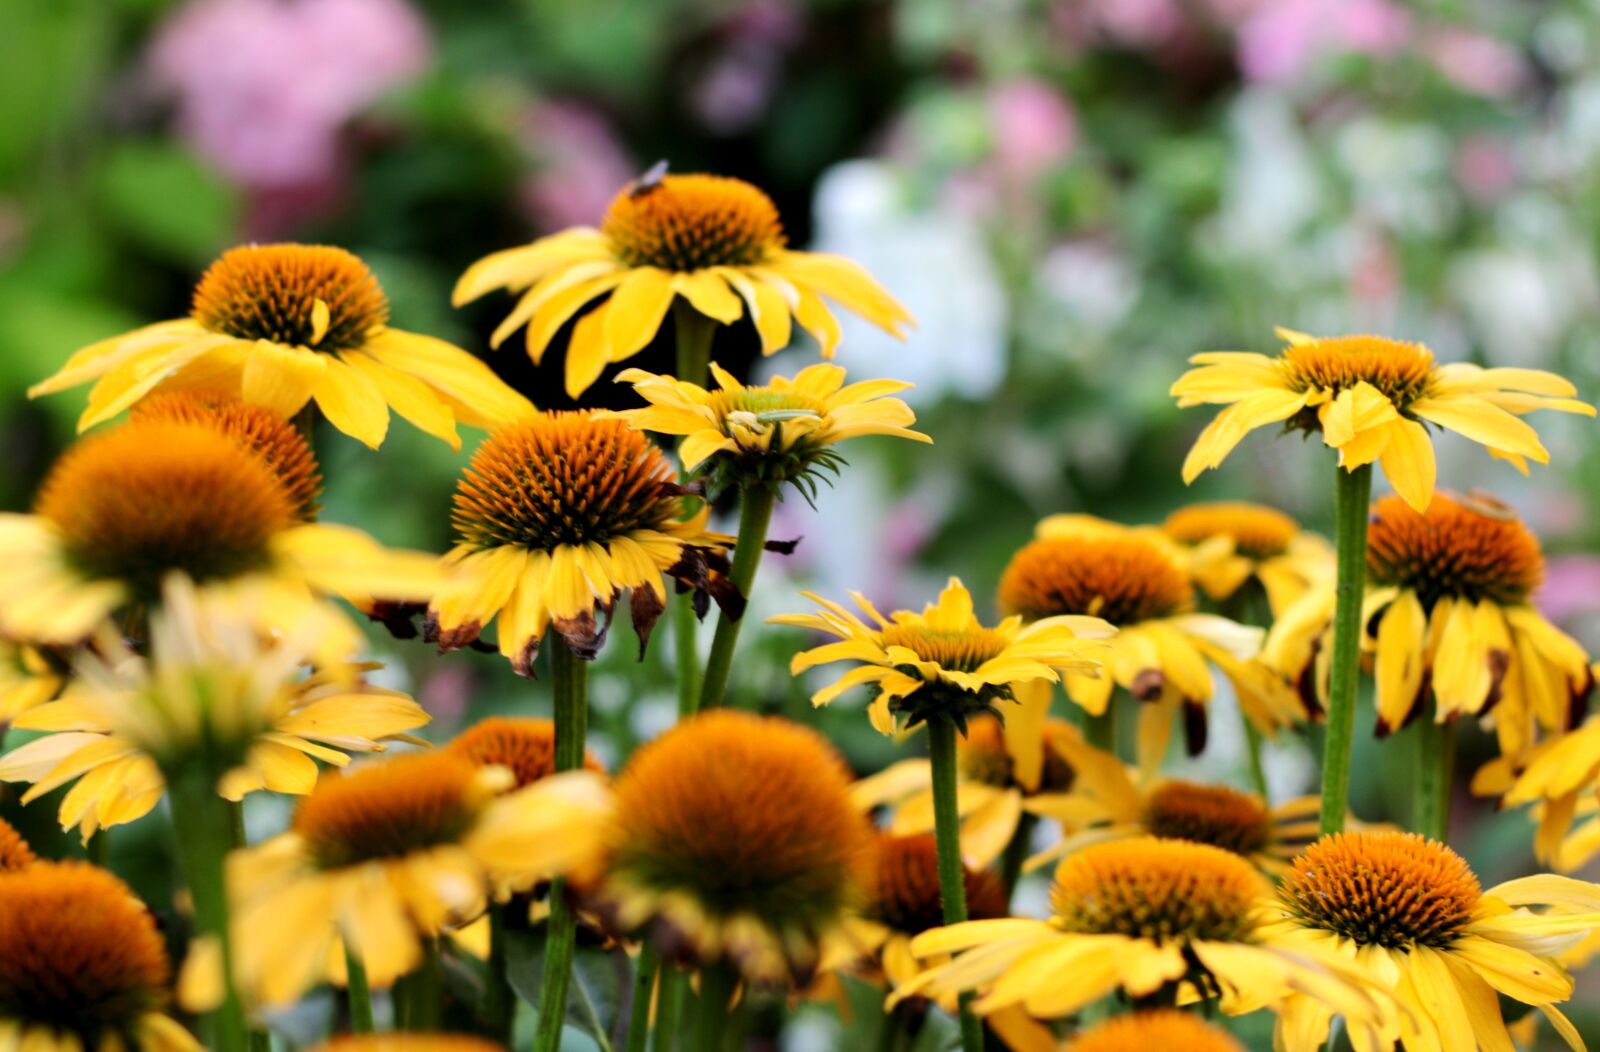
x: 646, y: 969
x: 947, y: 833
x: 717, y: 985
x: 694, y: 332
x: 1352, y: 497
x: 359, y: 991
x: 1436, y: 746
x: 569, y: 676
x: 499, y: 1004
x: 755, y: 516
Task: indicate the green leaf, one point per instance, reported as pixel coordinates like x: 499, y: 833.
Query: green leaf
x: 161, y: 197
x: 597, y: 999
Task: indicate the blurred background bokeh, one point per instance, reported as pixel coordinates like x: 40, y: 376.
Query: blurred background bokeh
x: 1072, y: 196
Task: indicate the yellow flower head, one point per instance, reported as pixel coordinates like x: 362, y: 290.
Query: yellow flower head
x: 775, y: 433
x: 409, y: 1043
x: 1231, y: 544
x: 283, y: 325
x: 716, y: 242
x: 943, y: 662
x: 734, y: 838
x: 1145, y: 917
x: 525, y: 747
x: 29, y: 677
x: 392, y: 853
x: 1164, y: 1028
x: 14, y: 851
x: 557, y: 515
x: 82, y: 966
x: 1561, y: 776
x: 1371, y: 398
x: 1412, y: 914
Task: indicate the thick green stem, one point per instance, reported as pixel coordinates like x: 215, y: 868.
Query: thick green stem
x: 360, y: 992
x: 947, y: 832
x: 1352, y: 498
x: 569, y: 677
x: 204, y: 830
x: 421, y: 993
x: 99, y: 848
x: 1435, y: 767
x: 498, y: 1002
x: 694, y: 332
x: 1252, y: 751
x: 669, y: 1010
x: 755, y: 515
x: 1101, y: 731
x: 1017, y: 851
x: 685, y: 627
x: 717, y: 984
x: 644, y: 988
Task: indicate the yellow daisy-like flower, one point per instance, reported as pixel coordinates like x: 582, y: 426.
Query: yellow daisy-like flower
x: 1370, y: 397
x: 124, y: 509
x: 82, y: 966
x: 942, y: 661
x: 390, y: 854
x: 1411, y: 913
x: 1148, y: 918
x: 1232, y: 544
x: 14, y: 851
x: 1561, y: 776
x: 1137, y: 581
x: 281, y: 326
x: 1447, y: 612
x: 776, y: 432
x: 733, y: 838
x: 1164, y: 1028
x: 716, y: 242
x: 409, y: 1043
x: 29, y: 677
x: 557, y: 515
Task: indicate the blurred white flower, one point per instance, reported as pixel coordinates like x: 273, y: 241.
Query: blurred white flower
x: 1091, y: 281
x: 1272, y: 189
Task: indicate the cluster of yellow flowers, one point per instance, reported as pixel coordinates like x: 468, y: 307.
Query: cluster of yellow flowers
x: 176, y: 623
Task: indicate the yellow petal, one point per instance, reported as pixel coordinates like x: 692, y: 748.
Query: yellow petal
x: 281, y: 378
x: 352, y: 402
x: 637, y: 309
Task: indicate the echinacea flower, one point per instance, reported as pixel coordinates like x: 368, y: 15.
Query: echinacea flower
x: 525, y: 747
x: 1136, y: 581
x: 733, y: 840
x: 1448, y: 615
x: 1371, y: 398
x: 1233, y: 544
x: 400, y: 1042
x: 716, y: 242
x: 944, y: 661
x: 777, y: 432
x: 28, y: 679
x: 557, y: 516
x: 1164, y: 1028
x: 124, y: 509
x: 14, y: 851
x: 393, y: 853
x: 82, y: 966
x: 1411, y: 913
x: 1145, y: 917
x: 1561, y: 776
x: 284, y: 325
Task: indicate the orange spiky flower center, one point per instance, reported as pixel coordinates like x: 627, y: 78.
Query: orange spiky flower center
x: 1401, y: 371
x: 1208, y: 814
x: 1471, y: 548
x: 390, y: 809
x: 1383, y: 889
x: 905, y: 886
x: 14, y: 851
x: 526, y: 747
x: 1149, y: 888
x: 1122, y: 578
x: 272, y: 292
x: 1257, y: 531
x: 689, y: 222
x: 1163, y: 1030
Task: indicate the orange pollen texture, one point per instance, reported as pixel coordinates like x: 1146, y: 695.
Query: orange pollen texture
x: 1257, y: 531
x: 1164, y: 1030
x: 151, y: 497
x: 526, y: 746
x: 1387, y: 889
x: 266, y: 434
x: 1471, y: 548
x: 1157, y: 889
x: 1208, y: 814
x: 14, y: 851
x: 408, y: 1043
x: 905, y: 893
x: 1124, y: 579
x: 389, y: 809
x: 689, y: 222
x: 746, y: 815
x: 1401, y: 371
x: 962, y: 651
x: 269, y: 292
x: 77, y: 950
x: 564, y: 479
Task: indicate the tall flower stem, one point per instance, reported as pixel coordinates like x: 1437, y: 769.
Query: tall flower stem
x: 1017, y: 851
x: 670, y: 1009
x: 1435, y: 763
x: 1252, y: 752
x: 204, y: 830
x: 694, y: 332
x: 360, y: 992
x: 1352, y: 497
x: 498, y: 1002
x: 1101, y: 731
x: 422, y: 992
x: 569, y: 678
x: 947, y: 832
x: 717, y: 984
x: 644, y: 988
x: 1239, y: 607
x: 755, y: 515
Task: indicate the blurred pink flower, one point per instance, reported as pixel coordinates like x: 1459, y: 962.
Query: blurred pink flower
x: 735, y: 88
x: 263, y: 87
x: 1476, y: 62
x: 1571, y: 587
x: 1485, y: 168
x: 579, y: 165
x: 1279, y: 41
x: 1034, y: 127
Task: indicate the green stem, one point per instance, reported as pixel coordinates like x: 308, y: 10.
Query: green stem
x: 260, y: 1039
x: 947, y: 832
x: 360, y: 992
x: 99, y: 848
x: 717, y: 984
x: 893, y: 1033
x: 569, y: 676
x: 1435, y: 763
x: 1352, y: 496
x: 755, y: 515
x: 670, y: 1008
x: 422, y: 992
x: 204, y: 829
x: 498, y: 1002
x: 1017, y: 851
x: 644, y: 988
x: 1101, y: 731
x: 694, y: 332
x: 1252, y: 751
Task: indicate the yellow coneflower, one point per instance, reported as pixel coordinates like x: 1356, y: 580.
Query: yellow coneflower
x: 14, y: 851
x: 525, y: 747
x: 409, y: 1043
x: 1232, y: 543
x: 1561, y: 776
x: 1154, y: 919
x: 393, y: 853
x: 716, y: 242
x: 1163, y: 1028
x: 733, y: 841
x: 28, y: 679
x: 82, y: 966
x: 557, y: 515
x: 123, y: 509
x: 1137, y: 582
x: 1411, y: 913
x: 283, y: 325
x: 1370, y: 397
